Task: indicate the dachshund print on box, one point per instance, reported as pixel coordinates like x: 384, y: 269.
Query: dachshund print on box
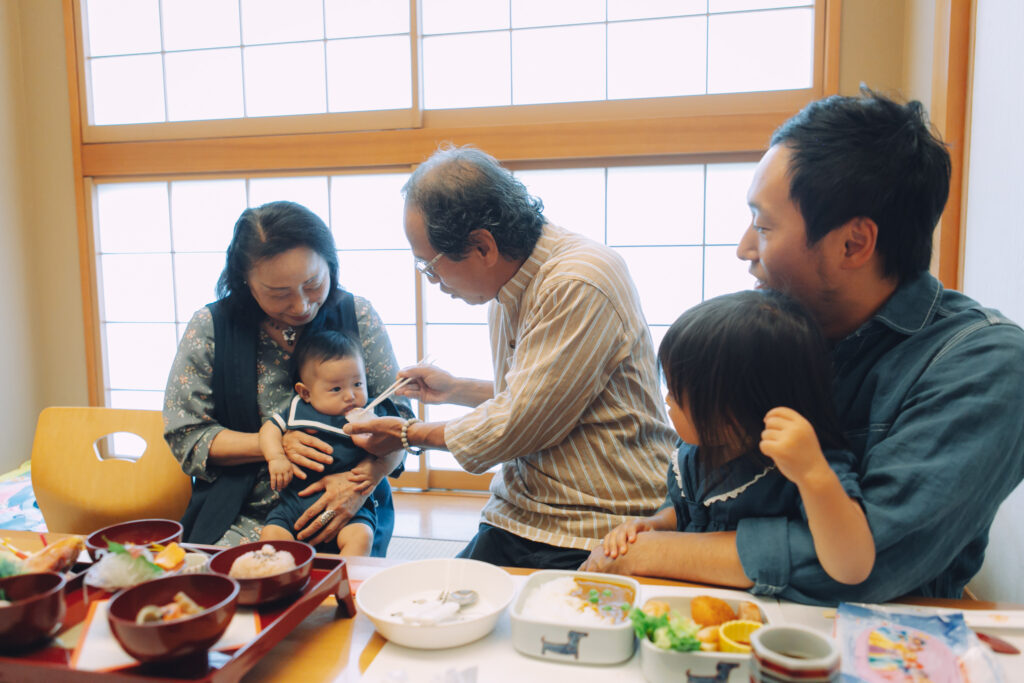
x: 571, y: 647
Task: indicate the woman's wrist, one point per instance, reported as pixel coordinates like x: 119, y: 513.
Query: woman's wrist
x: 229, y: 447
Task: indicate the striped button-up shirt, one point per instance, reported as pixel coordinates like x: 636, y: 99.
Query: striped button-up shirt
x: 577, y: 421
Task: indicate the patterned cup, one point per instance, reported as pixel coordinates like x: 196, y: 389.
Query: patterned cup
x: 785, y: 654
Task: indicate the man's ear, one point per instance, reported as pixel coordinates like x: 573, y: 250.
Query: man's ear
x: 303, y: 391
x: 482, y: 242
x: 860, y: 239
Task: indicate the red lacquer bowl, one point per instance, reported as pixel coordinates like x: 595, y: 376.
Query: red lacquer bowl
x: 164, y: 641
x: 139, y: 532
x: 35, y: 612
x: 267, y: 588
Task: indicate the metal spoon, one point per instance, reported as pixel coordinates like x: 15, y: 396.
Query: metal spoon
x: 464, y: 597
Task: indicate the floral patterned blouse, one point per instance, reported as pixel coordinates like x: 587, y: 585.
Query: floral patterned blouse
x: 189, y: 427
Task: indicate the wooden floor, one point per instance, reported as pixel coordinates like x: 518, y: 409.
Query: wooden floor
x: 451, y: 516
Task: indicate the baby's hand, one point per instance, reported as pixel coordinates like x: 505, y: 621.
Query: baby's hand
x: 789, y: 439
x: 618, y: 539
x: 280, y: 473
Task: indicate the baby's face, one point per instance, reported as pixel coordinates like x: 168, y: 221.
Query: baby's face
x: 336, y: 386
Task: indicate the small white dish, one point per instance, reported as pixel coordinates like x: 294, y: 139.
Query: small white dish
x: 396, y: 591
x: 556, y: 636
x: 668, y: 666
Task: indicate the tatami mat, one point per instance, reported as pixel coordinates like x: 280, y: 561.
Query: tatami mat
x: 407, y: 548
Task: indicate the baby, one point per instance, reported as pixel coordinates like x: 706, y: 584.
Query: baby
x: 331, y: 382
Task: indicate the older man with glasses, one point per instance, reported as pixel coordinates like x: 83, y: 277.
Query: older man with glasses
x: 574, y: 415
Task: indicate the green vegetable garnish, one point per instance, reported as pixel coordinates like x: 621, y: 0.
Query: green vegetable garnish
x: 118, y: 549
x: 670, y: 631
x: 607, y: 592
x: 9, y: 565
x: 595, y: 599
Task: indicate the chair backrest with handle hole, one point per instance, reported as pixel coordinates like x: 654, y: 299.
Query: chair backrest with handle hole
x: 79, y: 491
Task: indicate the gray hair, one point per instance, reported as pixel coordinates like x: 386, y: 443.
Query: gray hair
x: 462, y: 189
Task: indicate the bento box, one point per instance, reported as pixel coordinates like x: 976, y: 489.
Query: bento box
x: 575, y: 617
x: 730, y: 664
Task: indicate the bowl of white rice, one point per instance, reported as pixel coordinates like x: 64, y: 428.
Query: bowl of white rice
x: 575, y: 617
x: 265, y: 570
x: 406, y: 602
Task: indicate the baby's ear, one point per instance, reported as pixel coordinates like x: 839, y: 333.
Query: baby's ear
x: 303, y: 391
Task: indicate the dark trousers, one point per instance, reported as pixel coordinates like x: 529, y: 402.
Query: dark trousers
x: 505, y: 549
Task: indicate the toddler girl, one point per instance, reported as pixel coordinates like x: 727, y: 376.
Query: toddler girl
x: 749, y: 380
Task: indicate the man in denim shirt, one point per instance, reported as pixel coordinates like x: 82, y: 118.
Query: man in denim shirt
x: 929, y: 385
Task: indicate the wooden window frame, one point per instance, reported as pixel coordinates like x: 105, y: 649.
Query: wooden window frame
x: 694, y: 129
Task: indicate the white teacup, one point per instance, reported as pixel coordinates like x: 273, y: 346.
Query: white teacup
x: 793, y: 653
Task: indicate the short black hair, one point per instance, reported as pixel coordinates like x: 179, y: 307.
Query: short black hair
x: 733, y: 358
x: 267, y: 231
x: 321, y: 346
x: 872, y: 157
x: 461, y: 189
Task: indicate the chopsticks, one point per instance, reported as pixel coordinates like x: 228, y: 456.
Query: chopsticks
x: 395, y: 386
x: 398, y: 384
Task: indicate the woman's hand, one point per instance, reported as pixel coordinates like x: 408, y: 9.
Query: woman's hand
x: 618, y: 539
x: 379, y: 436
x: 331, y: 511
x: 362, y: 477
x: 305, y: 450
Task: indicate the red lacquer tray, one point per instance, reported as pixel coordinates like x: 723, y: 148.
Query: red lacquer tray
x: 49, y: 663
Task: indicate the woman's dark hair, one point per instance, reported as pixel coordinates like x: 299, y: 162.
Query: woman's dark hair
x: 461, y: 189
x: 264, y: 232
x: 733, y: 358
x: 869, y: 157
x: 321, y: 346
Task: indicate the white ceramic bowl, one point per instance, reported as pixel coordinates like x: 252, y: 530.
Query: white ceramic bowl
x: 556, y: 638
x: 393, y: 590
x: 669, y: 666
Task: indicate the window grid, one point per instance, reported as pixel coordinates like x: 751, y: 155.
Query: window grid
x: 322, y: 103
x: 175, y: 253
x: 90, y: 60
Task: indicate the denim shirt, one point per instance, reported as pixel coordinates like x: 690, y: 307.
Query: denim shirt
x: 930, y: 392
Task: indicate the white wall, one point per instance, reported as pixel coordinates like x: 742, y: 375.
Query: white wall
x: 994, y: 245
x: 51, y: 222
x: 18, y: 397
x: 43, y: 358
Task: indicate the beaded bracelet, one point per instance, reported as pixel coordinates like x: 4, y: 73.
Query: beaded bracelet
x: 405, y: 432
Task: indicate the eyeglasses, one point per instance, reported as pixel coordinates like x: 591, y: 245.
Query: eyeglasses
x: 427, y: 267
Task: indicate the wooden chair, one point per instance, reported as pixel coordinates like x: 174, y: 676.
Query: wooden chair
x: 78, y: 492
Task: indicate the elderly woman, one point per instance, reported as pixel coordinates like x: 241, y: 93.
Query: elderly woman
x: 233, y: 370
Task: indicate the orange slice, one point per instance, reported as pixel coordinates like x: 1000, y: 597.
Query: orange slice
x: 734, y: 636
